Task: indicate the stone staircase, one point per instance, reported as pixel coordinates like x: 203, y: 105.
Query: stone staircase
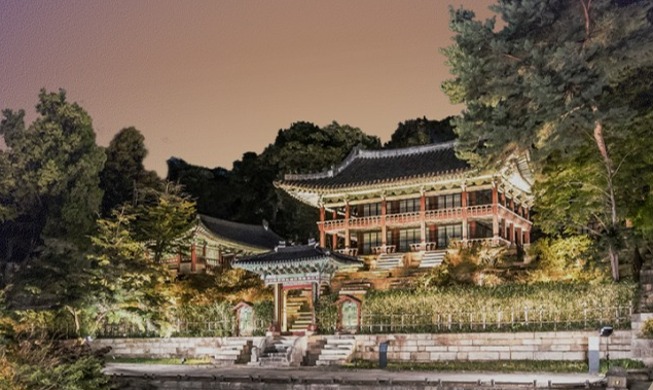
x: 313, y: 351
x: 233, y: 351
x: 646, y: 291
x: 337, y: 351
x: 355, y: 287
x: 277, y: 352
x: 390, y: 261
x: 432, y: 259
x: 298, y: 313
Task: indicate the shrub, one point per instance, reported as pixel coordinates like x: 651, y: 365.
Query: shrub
x: 565, y: 259
x: 505, y: 307
x: 327, y: 313
x: 647, y: 328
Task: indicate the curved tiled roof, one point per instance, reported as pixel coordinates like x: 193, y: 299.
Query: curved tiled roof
x: 295, y: 255
x: 381, y: 166
x: 251, y: 235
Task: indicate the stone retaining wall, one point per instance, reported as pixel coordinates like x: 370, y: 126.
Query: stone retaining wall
x: 491, y: 346
x: 189, y: 347
x: 408, y: 347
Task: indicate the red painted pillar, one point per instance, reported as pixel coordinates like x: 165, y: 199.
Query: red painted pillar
x: 322, y: 230
x: 334, y: 237
x: 463, y: 200
x: 384, y: 229
x: 193, y: 259
x: 495, y: 212
x: 347, y: 216
x: 422, y: 220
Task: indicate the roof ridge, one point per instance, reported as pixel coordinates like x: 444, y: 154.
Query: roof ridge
x: 359, y: 152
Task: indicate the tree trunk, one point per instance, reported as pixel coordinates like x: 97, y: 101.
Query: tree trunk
x: 75, y: 315
x: 614, y: 222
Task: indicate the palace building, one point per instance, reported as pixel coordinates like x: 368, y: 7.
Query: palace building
x: 392, y: 209
x: 216, y: 242
x: 416, y: 199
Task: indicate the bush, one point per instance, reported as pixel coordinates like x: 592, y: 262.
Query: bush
x: 33, y: 360
x: 647, y: 329
x: 541, y: 306
x: 468, y: 265
x: 327, y: 313
x: 565, y: 259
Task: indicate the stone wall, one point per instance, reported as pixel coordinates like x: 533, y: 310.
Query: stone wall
x: 491, y: 346
x: 407, y: 347
x: 189, y: 347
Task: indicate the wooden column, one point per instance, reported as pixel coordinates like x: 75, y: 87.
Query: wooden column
x: 422, y: 220
x: 384, y: 231
x: 347, y: 216
x: 322, y: 230
x: 315, y: 295
x: 511, y: 235
x: 495, y: 213
x: 284, y: 315
x: 334, y: 237
x: 278, y: 306
x: 463, y: 201
x: 193, y: 258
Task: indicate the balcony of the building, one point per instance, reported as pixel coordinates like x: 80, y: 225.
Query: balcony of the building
x: 441, y: 209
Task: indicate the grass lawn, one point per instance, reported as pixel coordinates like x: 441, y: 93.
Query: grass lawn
x: 192, y: 362
x: 499, y: 366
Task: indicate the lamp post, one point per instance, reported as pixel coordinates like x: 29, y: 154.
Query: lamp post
x: 606, y: 332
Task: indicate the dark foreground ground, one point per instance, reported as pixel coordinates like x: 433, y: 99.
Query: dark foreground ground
x: 159, y: 376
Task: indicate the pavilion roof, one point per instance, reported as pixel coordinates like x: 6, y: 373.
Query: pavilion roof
x: 297, y: 257
x: 369, y: 167
x: 258, y: 236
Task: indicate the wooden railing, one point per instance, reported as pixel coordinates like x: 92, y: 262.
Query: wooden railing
x: 426, y: 246
x: 348, y: 251
x: 413, y: 217
x: 377, y: 250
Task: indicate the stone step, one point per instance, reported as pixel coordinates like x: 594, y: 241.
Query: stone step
x: 336, y: 352
x: 432, y: 259
x: 330, y: 362
x: 228, y: 352
x: 341, y: 340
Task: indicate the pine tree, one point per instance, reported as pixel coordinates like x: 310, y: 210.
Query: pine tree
x: 550, y: 82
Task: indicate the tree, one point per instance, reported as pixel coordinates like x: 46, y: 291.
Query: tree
x: 421, y: 131
x: 549, y: 83
x: 128, y: 284
x: 53, y: 197
x: 124, y: 174
x: 51, y: 188
x: 163, y: 221
x: 208, y: 187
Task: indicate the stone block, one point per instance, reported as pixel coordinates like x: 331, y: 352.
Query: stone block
x: 436, y: 348
x: 420, y: 356
x: 484, y: 356
x: 494, y: 348
x: 443, y: 355
x: 521, y: 348
x: 521, y: 355
x: 548, y: 356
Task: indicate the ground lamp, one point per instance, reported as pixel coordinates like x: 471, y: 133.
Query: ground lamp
x: 606, y: 332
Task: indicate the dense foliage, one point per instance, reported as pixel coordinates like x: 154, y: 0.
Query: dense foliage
x: 247, y: 194
x: 506, y: 307
x: 567, y: 82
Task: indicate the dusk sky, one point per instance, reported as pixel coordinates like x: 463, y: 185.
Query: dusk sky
x: 207, y: 81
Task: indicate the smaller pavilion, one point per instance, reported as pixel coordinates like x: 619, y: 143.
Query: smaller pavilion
x: 297, y: 274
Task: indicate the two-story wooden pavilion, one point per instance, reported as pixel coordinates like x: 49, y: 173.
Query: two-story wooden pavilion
x: 216, y: 242
x: 415, y: 199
